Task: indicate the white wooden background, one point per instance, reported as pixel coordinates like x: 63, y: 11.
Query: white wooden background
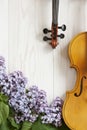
x: 21, y: 25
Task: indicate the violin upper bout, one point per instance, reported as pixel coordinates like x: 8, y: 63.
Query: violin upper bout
x: 78, y: 52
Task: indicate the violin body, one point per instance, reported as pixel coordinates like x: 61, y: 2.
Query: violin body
x: 75, y: 105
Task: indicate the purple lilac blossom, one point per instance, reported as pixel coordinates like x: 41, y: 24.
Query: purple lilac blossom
x: 53, y: 113
x: 17, y: 82
x: 2, y: 65
x: 13, y: 83
x: 3, y: 75
x: 28, y: 104
x: 41, y: 101
x: 24, y: 105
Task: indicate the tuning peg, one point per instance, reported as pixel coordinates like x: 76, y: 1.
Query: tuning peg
x: 61, y: 36
x: 63, y: 27
x: 45, y: 38
x: 45, y: 31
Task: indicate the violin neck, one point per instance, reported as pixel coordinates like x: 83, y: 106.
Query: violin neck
x: 55, y: 9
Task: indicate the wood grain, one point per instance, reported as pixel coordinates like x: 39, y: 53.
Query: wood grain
x: 26, y: 46
x: 4, y: 28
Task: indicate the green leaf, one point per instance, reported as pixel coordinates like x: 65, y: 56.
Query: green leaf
x: 3, y: 98
x: 11, y: 112
x: 13, y: 123
x: 39, y: 126
x: 6, y: 126
x: 26, y: 125
x: 64, y: 126
x: 4, y: 112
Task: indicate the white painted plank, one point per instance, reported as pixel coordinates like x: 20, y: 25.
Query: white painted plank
x: 27, y: 51
x: 4, y: 28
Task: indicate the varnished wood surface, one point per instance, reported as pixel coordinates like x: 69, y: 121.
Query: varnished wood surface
x: 75, y: 107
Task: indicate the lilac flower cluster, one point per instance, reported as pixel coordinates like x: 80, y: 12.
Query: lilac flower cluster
x: 41, y: 102
x: 53, y: 113
x: 28, y: 104
x: 3, y: 76
x: 14, y: 83
x: 2, y: 65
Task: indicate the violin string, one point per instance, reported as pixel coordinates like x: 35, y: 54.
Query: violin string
x: 55, y: 10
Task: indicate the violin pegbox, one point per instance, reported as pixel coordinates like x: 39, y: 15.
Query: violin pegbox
x: 54, y: 28
x: 54, y: 34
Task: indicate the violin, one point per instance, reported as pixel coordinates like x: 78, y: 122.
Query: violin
x: 75, y: 105
x: 54, y: 29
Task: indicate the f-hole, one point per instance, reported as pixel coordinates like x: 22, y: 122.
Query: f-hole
x: 81, y: 87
